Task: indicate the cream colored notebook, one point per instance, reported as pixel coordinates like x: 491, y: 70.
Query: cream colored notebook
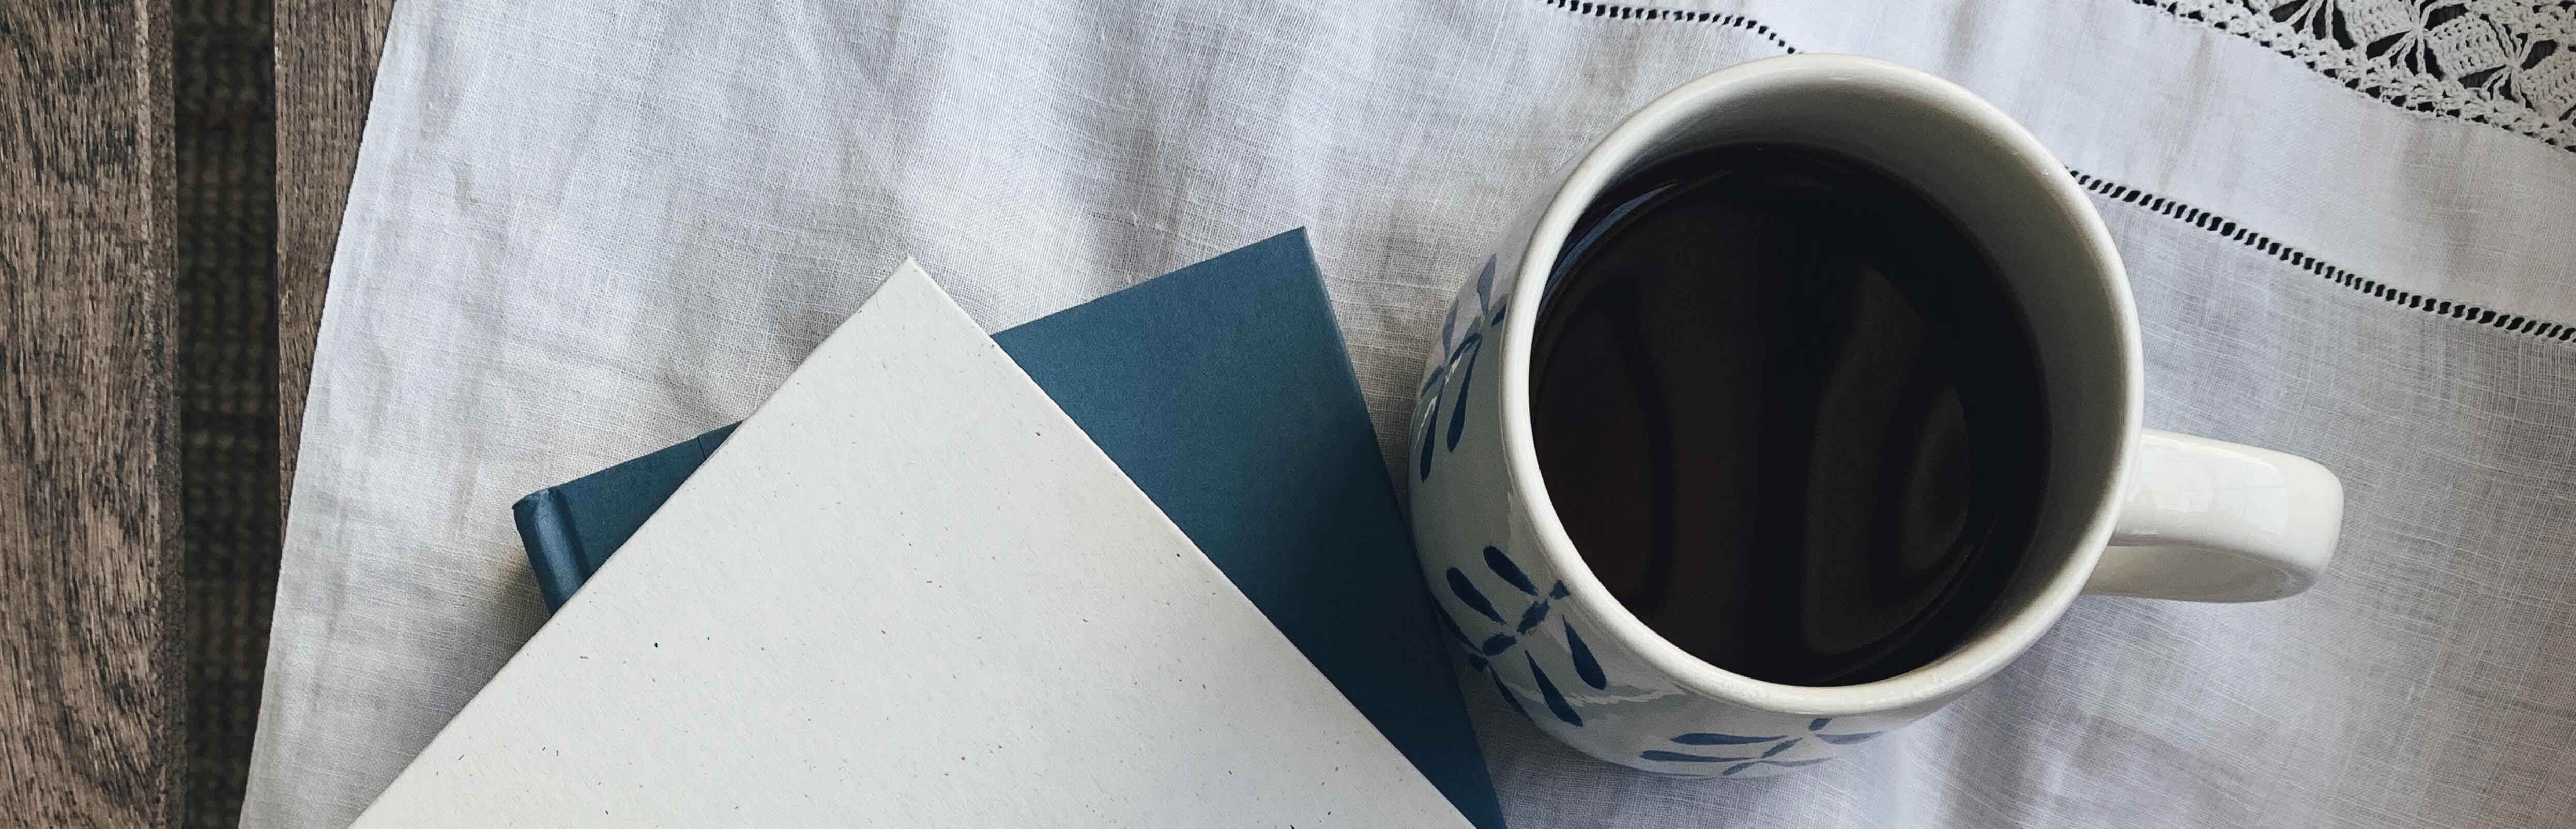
x: 963, y: 615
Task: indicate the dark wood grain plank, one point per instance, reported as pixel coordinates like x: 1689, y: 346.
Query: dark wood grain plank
x: 326, y: 70
x: 89, y: 530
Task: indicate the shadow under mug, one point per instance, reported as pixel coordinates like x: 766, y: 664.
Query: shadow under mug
x: 2191, y: 518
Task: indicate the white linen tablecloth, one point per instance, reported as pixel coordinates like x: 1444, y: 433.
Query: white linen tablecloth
x: 582, y: 230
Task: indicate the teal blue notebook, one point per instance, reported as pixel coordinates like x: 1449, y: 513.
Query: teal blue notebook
x: 1223, y: 390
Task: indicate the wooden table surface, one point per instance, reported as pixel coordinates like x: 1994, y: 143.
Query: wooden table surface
x: 89, y: 543
x: 90, y: 599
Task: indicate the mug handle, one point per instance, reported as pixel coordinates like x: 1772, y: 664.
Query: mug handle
x: 2212, y: 521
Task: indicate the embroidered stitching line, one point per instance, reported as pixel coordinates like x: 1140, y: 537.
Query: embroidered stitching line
x: 2222, y: 226
x: 1676, y: 15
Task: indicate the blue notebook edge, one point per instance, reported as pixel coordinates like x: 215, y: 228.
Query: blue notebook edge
x: 619, y: 498
x: 545, y: 529
x: 569, y: 531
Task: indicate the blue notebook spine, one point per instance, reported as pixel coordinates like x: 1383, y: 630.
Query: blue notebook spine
x: 545, y: 528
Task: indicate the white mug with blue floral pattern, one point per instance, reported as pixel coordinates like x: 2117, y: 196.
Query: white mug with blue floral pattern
x: 2129, y: 512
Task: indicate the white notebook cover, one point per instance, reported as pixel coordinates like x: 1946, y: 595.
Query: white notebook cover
x: 963, y: 615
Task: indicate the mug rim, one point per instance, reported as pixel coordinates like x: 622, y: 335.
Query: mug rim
x: 2001, y: 640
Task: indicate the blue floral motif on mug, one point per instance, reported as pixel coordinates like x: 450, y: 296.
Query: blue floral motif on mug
x: 1460, y: 366
x: 1769, y: 747
x: 1484, y: 654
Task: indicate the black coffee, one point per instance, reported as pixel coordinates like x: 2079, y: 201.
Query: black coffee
x: 1789, y: 414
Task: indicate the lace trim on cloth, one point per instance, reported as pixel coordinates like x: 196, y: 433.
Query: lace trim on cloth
x: 2504, y: 63
x: 2564, y: 12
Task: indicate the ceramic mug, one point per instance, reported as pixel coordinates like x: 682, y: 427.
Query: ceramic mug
x: 2191, y: 518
